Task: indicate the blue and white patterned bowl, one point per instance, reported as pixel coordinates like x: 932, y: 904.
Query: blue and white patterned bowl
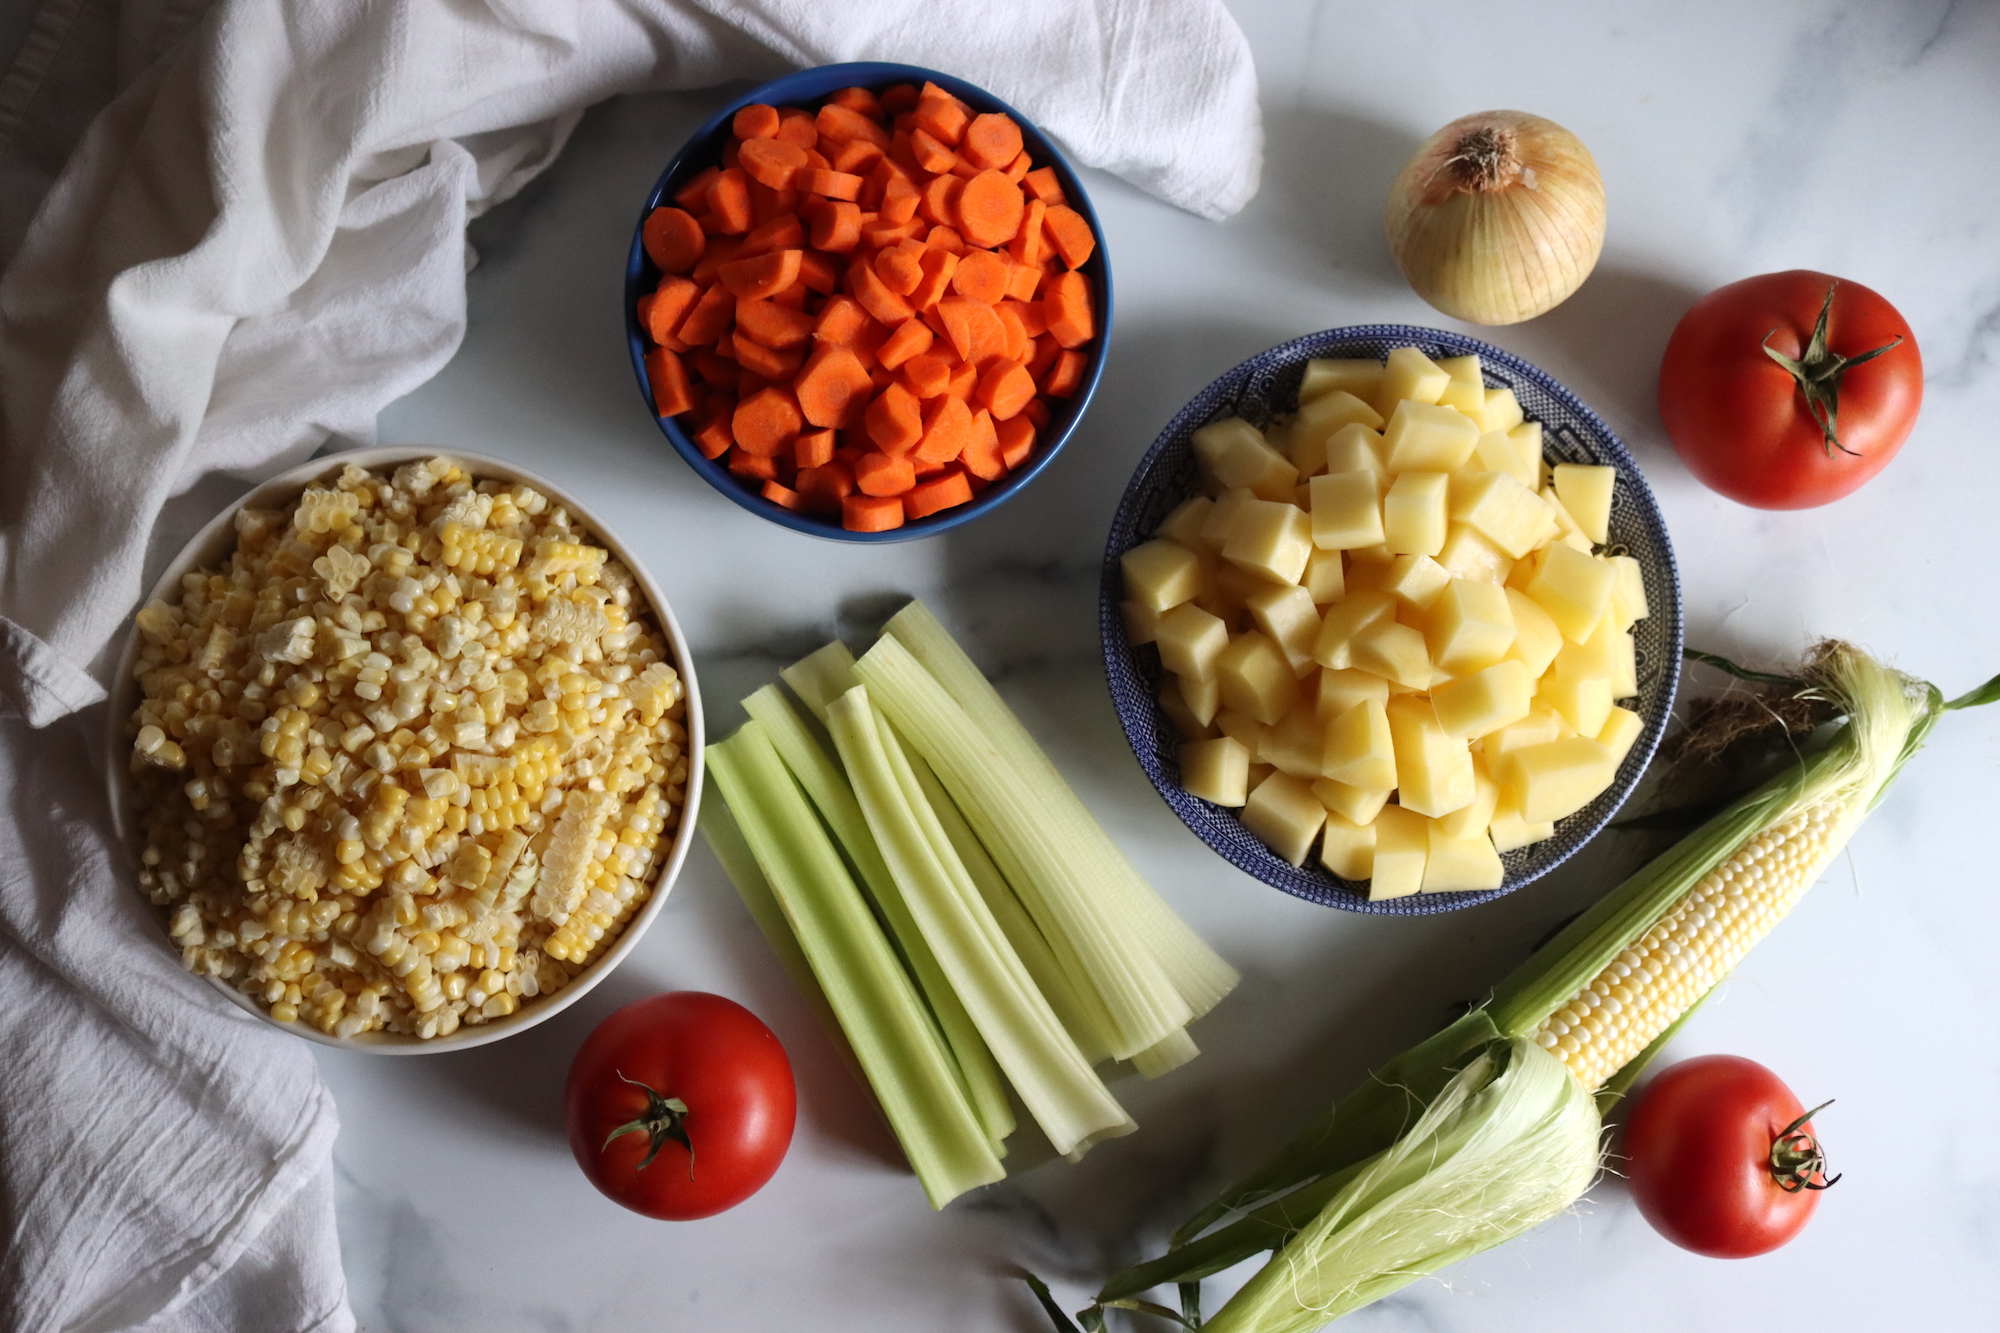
x: 1266, y: 386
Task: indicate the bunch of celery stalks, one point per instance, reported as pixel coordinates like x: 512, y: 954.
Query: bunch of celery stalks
x: 948, y: 905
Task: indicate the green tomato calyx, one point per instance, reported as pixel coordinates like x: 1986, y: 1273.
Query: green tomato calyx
x: 664, y: 1120
x: 1818, y: 374
x: 1797, y: 1160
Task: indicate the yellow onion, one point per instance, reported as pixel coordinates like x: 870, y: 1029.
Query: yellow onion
x: 1499, y: 217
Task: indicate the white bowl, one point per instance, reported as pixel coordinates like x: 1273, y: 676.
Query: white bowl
x: 214, y: 543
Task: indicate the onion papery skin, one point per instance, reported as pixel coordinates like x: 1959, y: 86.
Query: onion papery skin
x: 1507, y: 248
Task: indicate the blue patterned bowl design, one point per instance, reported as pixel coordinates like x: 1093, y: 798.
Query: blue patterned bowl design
x: 1267, y: 386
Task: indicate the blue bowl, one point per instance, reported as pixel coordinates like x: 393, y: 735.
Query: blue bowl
x: 804, y: 88
x: 1266, y: 386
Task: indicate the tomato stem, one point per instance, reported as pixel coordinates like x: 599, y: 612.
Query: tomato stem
x: 665, y: 1119
x: 1818, y: 374
x: 1796, y: 1156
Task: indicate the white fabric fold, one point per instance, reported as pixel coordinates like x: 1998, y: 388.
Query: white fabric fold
x: 252, y: 249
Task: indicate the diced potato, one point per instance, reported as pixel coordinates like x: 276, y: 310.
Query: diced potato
x: 1319, y: 420
x: 1190, y: 641
x: 1421, y: 438
x: 1285, y: 816
x: 1323, y: 579
x: 1574, y: 588
x: 1496, y: 452
x: 1358, y: 749
x: 1485, y: 701
x: 1416, y: 580
x: 1221, y: 517
x: 1142, y: 623
x: 1553, y: 781
x: 1236, y: 454
x: 1412, y: 375
x: 1467, y: 554
x: 1621, y: 732
x: 1470, y: 627
x: 1185, y: 523
x: 1467, y: 390
x: 1542, y: 725
x: 1628, y: 596
x: 1234, y: 585
x: 1357, y: 449
x: 1433, y: 771
x: 1288, y: 618
x: 1361, y: 376
x: 1503, y: 412
x: 1160, y: 574
x: 1537, y: 641
x: 1395, y: 652
x: 1509, y: 831
x: 1347, y: 848
x: 1570, y: 533
x: 1507, y: 513
x: 1402, y: 845
x: 1585, y: 491
x: 1293, y: 746
x: 1256, y: 679
x: 1357, y: 805
x: 1346, y: 511
x: 1344, y: 620
x: 1413, y: 513
x: 1246, y: 731
x: 1583, y: 701
x: 1270, y: 538
x: 1343, y: 689
x: 1186, y: 725
x: 1461, y: 865
x: 1470, y: 821
x: 1217, y: 771
x: 1608, y: 652
x: 1202, y: 697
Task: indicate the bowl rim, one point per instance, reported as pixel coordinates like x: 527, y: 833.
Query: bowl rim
x: 815, y: 82
x: 1121, y: 665
x: 213, y: 542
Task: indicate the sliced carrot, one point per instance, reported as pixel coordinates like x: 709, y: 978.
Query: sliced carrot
x: 867, y: 287
x: 871, y: 513
x: 940, y: 201
x: 927, y: 375
x: 874, y: 189
x: 879, y: 234
x: 989, y: 210
x: 1042, y: 354
x: 898, y: 98
x: 895, y: 420
x: 766, y: 422
x: 1025, y: 283
x: 901, y: 267
x: 909, y: 339
x: 944, y: 491
x: 768, y: 364
x: 796, y: 126
x: 1017, y: 335
x: 941, y: 115
x: 841, y: 125
x: 672, y: 394
x: 712, y: 435
x: 1005, y: 389
x: 963, y: 169
x: 931, y: 155
x: 945, y: 238
x: 1030, y: 243
x: 975, y: 331
x: 832, y: 184
x: 673, y: 239
x: 823, y: 487
x: 1036, y: 414
x: 770, y: 161
x: 947, y: 430
x: 857, y: 156
x: 762, y: 275
x: 1017, y: 170
x: 877, y: 473
x: 693, y: 196
x: 982, y: 275
x: 1017, y: 441
x: 672, y: 299
x: 755, y: 121
x: 716, y: 370
x: 1068, y: 306
x: 709, y: 318
x: 982, y: 452
x: 1034, y: 320
x: 1066, y: 376
x: 729, y: 201
x: 964, y: 379
x: 782, y: 496
x: 840, y: 320
x: 795, y: 296
x: 834, y: 388
x: 814, y: 448
x: 773, y: 325
x: 729, y: 154
x: 939, y: 268
x: 721, y: 250
x: 1041, y: 183
x: 780, y: 233
x: 992, y: 140
x: 836, y: 227
x: 899, y: 200
x: 768, y: 205
x: 817, y: 273
x: 1070, y: 234
x: 754, y: 467
x: 858, y: 99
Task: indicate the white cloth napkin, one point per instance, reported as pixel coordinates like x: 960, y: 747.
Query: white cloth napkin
x: 252, y: 249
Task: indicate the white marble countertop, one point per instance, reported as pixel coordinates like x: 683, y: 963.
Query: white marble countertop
x: 1734, y: 139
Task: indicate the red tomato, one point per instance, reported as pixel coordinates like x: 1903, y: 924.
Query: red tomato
x: 1721, y: 1158
x: 1747, y: 426
x: 680, y: 1105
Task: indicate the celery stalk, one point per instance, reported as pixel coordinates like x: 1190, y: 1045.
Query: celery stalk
x: 821, y: 677
x: 829, y: 791
x: 1054, y: 1080
x: 912, y: 1072
x: 1035, y: 849
x: 1198, y: 972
